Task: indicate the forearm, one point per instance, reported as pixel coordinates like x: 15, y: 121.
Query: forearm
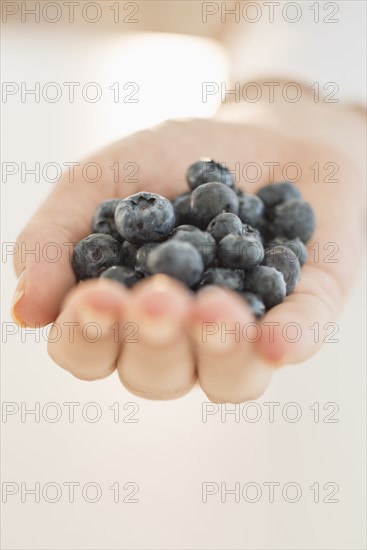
x: 318, y: 44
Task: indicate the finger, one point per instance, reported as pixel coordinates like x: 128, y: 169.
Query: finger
x: 44, y: 247
x: 85, y: 339
x: 157, y: 363
x: 294, y: 330
x: 229, y: 366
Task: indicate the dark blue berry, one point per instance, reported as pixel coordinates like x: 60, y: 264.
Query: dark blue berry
x: 94, y: 254
x: 177, y: 259
x: 296, y: 245
x: 202, y: 241
x: 182, y: 208
x: 255, y: 302
x: 185, y: 227
x: 104, y: 219
x: 240, y: 252
x: 249, y: 231
x: 285, y: 261
x: 209, y: 200
x: 251, y: 210
x: 268, y: 283
x: 221, y: 276
x: 294, y: 218
x: 276, y: 193
x: 128, y: 253
x: 122, y: 274
x: 207, y: 170
x: 144, y: 217
x: 141, y: 266
x: 224, y: 224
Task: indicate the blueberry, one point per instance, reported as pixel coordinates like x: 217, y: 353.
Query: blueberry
x: 184, y: 227
x: 255, y: 302
x: 221, y: 276
x: 141, y: 259
x: 240, y: 251
x: 249, y: 231
x: 94, y: 254
x: 251, y: 210
x: 285, y: 261
x: 144, y: 217
x: 202, y: 241
x: 104, y: 219
x: 128, y: 253
x: 266, y: 231
x: 268, y: 283
x: 122, y: 274
x: 276, y: 193
x: 294, y: 218
x: 207, y: 170
x: 296, y: 245
x: 182, y: 208
x: 180, y: 260
x: 209, y: 200
x: 223, y: 225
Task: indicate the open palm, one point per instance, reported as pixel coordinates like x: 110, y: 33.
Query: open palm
x: 157, y: 334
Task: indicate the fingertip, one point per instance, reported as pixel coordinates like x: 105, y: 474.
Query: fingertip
x: 38, y: 295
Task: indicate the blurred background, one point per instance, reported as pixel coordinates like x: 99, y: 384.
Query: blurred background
x: 167, y: 464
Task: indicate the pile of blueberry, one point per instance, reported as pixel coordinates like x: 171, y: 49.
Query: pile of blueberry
x: 213, y: 234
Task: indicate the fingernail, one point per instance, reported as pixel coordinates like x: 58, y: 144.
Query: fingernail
x: 18, y: 295
x: 158, y: 314
x: 101, y: 319
x: 217, y: 337
x: 216, y: 323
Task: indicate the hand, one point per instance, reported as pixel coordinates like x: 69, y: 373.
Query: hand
x: 171, y: 351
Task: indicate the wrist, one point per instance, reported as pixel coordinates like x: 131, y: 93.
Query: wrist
x: 278, y: 98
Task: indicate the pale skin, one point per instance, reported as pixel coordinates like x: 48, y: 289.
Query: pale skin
x: 172, y: 353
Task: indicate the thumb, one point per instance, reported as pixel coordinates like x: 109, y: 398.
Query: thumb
x: 44, y: 247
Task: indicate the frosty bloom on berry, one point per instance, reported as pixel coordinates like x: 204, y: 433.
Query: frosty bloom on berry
x: 144, y: 217
x: 94, y: 254
x: 209, y: 200
x: 207, y: 170
x: 178, y: 259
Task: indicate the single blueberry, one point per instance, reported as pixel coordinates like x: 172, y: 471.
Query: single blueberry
x: 209, y: 200
x: 268, y: 283
x: 294, y: 218
x: 266, y: 231
x: 276, y: 193
x: 207, y: 170
x: 94, y: 254
x: 202, y: 241
x: 144, y: 217
x: 296, y: 245
x: 285, y: 261
x: 122, y: 274
x: 221, y: 276
x: 240, y: 251
x: 104, y: 219
x: 251, y: 210
x: 224, y: 224
x: 249, y: 231
x: 184, y: 227
x: 180, y: 260
x: 182, y: 208
x: 255, y: 302
x: 128, y: 254
x: 141, y: 259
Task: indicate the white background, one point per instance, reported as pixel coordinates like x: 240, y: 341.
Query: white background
x: 170, y: 451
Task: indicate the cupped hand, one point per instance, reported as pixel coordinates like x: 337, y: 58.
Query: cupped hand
x: 159, y: 336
